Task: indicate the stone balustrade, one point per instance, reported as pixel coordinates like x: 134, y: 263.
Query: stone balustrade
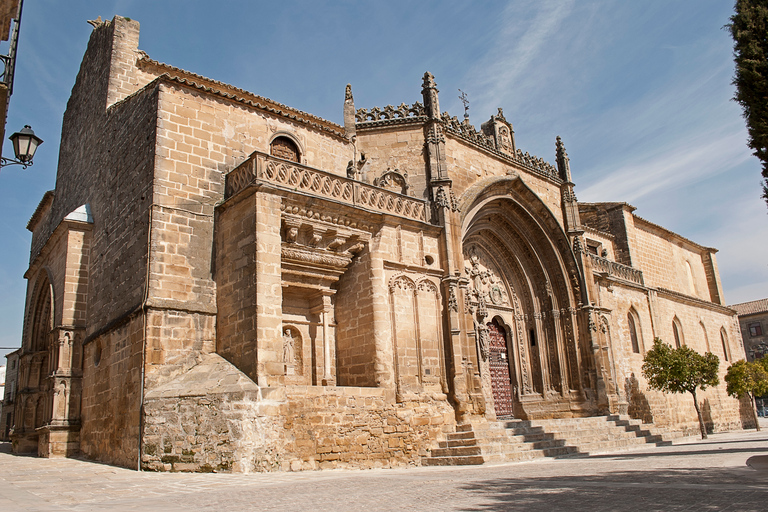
x: 617, y: 270
x: 308, y: 180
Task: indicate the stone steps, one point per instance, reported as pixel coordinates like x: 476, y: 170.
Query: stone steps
x: 517, y: 440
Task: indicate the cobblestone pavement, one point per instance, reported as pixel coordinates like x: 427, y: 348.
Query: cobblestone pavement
x: 698, y: 475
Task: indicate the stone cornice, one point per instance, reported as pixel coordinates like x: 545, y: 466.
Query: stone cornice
x: 169, y: 73
x: 45, y: 202
x: 695, y: 301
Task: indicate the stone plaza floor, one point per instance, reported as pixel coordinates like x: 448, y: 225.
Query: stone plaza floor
x: 695, y: 475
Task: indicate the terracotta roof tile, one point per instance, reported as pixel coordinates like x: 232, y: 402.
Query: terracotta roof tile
x: 752, y: 307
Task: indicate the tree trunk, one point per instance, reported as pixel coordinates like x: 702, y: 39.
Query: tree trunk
x: 754, y: 410
x: 698, y: 413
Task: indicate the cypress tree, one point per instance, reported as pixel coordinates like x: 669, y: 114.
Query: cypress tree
x: 749, y: 28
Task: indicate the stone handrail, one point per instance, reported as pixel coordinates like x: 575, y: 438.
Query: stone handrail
x: 618, y: 270
x: 323, y: 184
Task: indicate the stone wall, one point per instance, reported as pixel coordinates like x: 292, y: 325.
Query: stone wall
x: 215, y: 419
x: 468, y: 165
x: 701, y: 328
x: 669, y: 261
x: 111, y: 394
x: 355, y: 347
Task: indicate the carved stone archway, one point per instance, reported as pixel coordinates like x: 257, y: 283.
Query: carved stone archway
x: 518, y: 261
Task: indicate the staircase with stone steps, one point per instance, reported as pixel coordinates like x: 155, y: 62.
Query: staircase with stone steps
x: 516, y: 440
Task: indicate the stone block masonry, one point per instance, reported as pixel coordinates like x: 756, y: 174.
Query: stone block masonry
x: 213, y: 418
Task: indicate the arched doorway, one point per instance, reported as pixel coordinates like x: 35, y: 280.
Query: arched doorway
x: 519, y: 265
x: 499, y: 363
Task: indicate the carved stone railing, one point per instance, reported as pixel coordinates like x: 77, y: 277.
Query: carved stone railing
x: 388, y: 114
x: 297, y: 177
x: 468, y: 132
x: 617, y: 270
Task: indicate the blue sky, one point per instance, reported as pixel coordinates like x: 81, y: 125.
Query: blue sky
x: 640, y: 92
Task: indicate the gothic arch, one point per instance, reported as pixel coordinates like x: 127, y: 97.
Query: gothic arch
x: 507, y: 227
x: 724, y: 342
x: 635, y: 329
x: 677, y: 332
x: 706, y: 337
x: 41, y: 320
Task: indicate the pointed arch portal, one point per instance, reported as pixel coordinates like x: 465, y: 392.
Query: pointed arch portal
x: 521, y: 269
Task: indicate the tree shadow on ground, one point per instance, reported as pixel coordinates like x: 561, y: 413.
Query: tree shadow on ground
x: 740, y: 489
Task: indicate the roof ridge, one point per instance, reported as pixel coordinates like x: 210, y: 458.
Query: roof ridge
x: 228, y: 89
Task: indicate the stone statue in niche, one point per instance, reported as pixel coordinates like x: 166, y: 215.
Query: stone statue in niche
x: 291, y: 347
x: 505, y: 142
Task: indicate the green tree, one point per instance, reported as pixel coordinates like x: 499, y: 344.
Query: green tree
x: 750, y: 378
x: 749, y: 28
x: 677, y: 370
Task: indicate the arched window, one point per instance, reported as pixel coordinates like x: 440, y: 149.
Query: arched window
x: 724, y: 340
x: 677, y: 330
x: 285, y: 148
x: 633, y: 333
x: 706, y: 338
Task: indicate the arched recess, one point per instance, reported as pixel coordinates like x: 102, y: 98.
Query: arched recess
x: 635, y: 331
x: 724, y: 341
x: 706, y: 337
x: 677, y: 332
x: 513, y: 243
x: 287, y: 146
x: 34, y: 360
x: 415, y: 313
x: 41, y: 314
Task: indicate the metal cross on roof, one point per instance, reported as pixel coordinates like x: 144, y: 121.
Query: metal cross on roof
x: 465, y: 100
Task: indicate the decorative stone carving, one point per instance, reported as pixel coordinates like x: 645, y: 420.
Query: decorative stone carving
x: 292, y: 349
x: 394, y: 180
x: 453, y: 303
x: 483, y: 282
x: 482, y: 339
x: 441, y: 199
x: 402, y: 112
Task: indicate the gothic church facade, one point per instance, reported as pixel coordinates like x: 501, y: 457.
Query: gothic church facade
x: 222, y: 282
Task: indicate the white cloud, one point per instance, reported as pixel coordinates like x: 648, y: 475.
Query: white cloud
x: 699, y: 157
x: 518, y: 48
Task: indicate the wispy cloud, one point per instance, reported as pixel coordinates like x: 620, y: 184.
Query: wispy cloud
x: 687, y: 161
x: 519, y: 44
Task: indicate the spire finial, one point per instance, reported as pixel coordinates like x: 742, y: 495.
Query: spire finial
x: 563, y: 165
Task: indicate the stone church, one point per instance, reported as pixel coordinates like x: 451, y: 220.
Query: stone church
x: 222, y: 282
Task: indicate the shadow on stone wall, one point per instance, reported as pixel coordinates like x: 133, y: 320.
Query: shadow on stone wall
x: 706, y: 415
x: 746, y: 414
x: 639, y: 408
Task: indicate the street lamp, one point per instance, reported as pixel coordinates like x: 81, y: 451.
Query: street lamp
x: 25, y: 144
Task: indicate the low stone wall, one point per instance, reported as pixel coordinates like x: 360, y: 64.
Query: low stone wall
x: 348, y: 427
x: 213, y: 418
